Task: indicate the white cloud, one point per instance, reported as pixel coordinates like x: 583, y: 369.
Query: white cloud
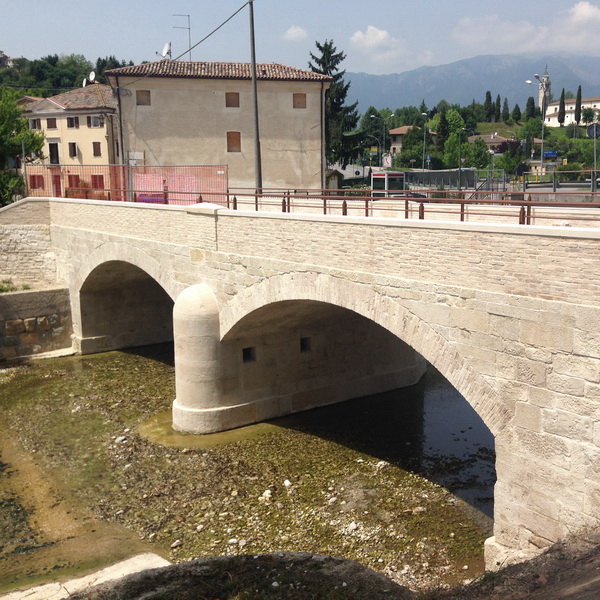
x: 380, y: 47
x: 574, y: 30
x: 295, y: 34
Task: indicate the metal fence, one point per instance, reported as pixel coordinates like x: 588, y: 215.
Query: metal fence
x: 158, y: 185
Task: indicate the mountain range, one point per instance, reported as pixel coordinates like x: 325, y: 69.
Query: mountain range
x: 466, y: 80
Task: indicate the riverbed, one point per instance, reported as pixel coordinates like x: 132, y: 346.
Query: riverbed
x: 91, y: 471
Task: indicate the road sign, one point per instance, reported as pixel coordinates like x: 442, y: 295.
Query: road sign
x: 593, y: 131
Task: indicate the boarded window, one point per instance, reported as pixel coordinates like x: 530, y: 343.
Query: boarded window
x: 299, y: 100
x: 234, y: 141
x: 142, y: 97
x: 232, y: 99
x: 72, y: 149
x: 97, y: 147
x: 51, y: 123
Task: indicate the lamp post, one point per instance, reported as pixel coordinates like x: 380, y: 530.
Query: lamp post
x: 383, y: 122
x: 543, y: 88
x: 378, y: 144
x: 424, y: 115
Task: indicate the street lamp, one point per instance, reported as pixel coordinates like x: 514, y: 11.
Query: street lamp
x: 378, y: 144
x: 543, y: 88
x: 383, y: 122
x: 424, y: 132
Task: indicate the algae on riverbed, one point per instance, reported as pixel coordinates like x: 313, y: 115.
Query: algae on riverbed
x: 287, y: 486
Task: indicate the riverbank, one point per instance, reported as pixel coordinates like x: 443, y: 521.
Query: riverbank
x: 329, y: 482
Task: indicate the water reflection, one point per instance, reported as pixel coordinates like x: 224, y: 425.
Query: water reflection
x: 428, y: 428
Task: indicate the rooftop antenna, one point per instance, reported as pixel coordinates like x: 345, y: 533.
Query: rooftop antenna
x: 166, y: 51
x: 189, y: 29
x: 89, y: 79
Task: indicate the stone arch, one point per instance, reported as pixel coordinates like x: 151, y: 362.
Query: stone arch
x: 121, y: 297
x: 386, y: 312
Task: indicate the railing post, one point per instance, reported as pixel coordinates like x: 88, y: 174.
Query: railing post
x: 256, y: 199
x: 235, y: 203
x: 324, y: 206
x: 421, y: 211
x: 406, y: 208
x: 288, y: 203
x: 367, y: 207
x: 344, y: 208
x: 283, y: 205
x: 199, y: 198
x: 522, y: 215
x: 528, y: 220
x: 462, y: 211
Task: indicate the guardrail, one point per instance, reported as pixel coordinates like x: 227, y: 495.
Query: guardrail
x: 580, y: 208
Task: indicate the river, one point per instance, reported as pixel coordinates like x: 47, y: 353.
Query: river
x: 401, y: 481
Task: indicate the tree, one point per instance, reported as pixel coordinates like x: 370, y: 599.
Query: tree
x: 512, y: 156
x: 588, y: 115
x: 443, y: 131
x: 530, y: 111
x: 339, y: 118
x: 478, y: 155
x: 561, y: 109
x: 516, y: 113
x: 488, y: 107
x: 578, y: 107
x: 497, y: 109
x: 505, y: 111
x: 14, y: 136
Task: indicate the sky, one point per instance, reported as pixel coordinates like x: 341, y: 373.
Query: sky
x: 387, y: 36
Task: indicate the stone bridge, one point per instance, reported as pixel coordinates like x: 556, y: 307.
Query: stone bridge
x: 276, y: 313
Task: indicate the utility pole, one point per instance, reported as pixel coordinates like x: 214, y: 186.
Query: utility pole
x: 257, y: 156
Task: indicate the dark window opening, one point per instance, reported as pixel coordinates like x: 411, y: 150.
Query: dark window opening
x: 249, y: 354
x: 305, y: 344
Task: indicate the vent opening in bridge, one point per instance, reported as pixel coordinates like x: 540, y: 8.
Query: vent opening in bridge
x: 305, y: 344
x: 249, y: 354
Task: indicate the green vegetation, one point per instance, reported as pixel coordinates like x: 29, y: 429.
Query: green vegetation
x: 7, y: 285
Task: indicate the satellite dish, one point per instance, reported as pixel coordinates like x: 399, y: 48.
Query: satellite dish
x: 84, y: 82
x: 92, y: 76
x: 166, y: 51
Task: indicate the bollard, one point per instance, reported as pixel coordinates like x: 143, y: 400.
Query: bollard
x: 421, y: 211
x: 522, y: 216
x: 283, y: 205
x: 234, y: 203
x: 344, y: 208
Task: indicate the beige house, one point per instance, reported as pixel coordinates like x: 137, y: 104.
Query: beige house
x: 396, y: 138
x: 198, y: 113
x: 79, y: 126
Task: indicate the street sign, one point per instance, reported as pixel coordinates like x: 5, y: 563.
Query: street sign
x: 593, y: 131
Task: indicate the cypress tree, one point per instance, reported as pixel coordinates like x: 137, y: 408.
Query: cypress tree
x: 561, y: 109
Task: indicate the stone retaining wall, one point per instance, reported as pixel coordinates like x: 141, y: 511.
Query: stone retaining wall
x: 33, y: 322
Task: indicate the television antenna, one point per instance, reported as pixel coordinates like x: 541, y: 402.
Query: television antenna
x: 166, y: 51
x: 189, y: 30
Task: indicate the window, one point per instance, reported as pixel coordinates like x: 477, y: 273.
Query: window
x: 98, y: 182
x: 72, y: 149
x: 142, y: 97
x: 35, y: 123
x: 299, y: 101
x: 232, y: 99
x: 73, y: 181
x: 51, y: 123
x: 249, y: 354
x: 305, y: 344
x: 73, y: 122
x: 234, y: 141
x: 54, y: 155
x: 36, y: 182
x: 95, y: 121
x: 97, y: 148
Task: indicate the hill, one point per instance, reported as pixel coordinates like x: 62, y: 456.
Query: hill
x: 466, y: 80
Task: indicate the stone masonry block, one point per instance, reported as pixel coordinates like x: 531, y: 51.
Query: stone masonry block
x: 567, y: 425
x: 528, y: 416
x: 577, y: 366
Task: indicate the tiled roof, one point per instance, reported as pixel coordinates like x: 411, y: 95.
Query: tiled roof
x: 92, y: 96
x: 218, y: 70
x: 401, y: 130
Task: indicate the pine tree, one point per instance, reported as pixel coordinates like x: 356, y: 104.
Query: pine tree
x: 497, y: 109
x: 561, y: 109
x: 578, y: 107
x: 505, y: 111
x: 530, y: 110
x: 488, y: 107
x: 516, y: 113
x: 339, y: 118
